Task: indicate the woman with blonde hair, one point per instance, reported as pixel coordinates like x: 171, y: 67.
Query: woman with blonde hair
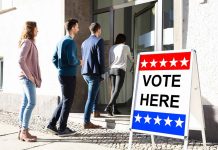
x: 30, y: 78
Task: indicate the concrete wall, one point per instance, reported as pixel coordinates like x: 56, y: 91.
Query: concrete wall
x: 50, y: 21
x: 50, y: 17
x: 200, y: 32
x: 45, y: 105
x: 82, y: 10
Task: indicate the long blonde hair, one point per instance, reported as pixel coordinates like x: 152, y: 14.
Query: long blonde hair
x: 28, y: 31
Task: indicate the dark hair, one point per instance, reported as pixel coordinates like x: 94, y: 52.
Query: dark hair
x: 28, y: 31
x: 121, y: 38
x: 70, y: 23
x: 94, y: 27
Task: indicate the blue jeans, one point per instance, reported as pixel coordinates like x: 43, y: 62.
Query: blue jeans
x: 95, y: 103
x: 93, y: 82
x: 29, y: 102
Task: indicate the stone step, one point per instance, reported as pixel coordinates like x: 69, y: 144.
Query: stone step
x: 118, y: 122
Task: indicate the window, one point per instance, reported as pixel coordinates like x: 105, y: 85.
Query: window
x: 6, y: 4
x: 104, y: 20
x: 1, y: 72
x: 98, y: 4
x: 144, y: 29
x: 168, y: 20
x: 123, y: 23
x: 0, y: 4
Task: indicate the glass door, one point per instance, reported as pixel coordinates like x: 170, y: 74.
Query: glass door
x: 104, y: 17
x: 168, y: 25
x: 144, y: 29
x: 154, y: 26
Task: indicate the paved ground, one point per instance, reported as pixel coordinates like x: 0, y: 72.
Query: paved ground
x: 100, y: 139
x: 8, y: 141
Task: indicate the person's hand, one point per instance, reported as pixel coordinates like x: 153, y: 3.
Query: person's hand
x: 102, y: 77
x: 31, y: 78
x: 81, y: 62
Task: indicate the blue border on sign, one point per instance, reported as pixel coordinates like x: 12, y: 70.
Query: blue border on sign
x: 173, y: 124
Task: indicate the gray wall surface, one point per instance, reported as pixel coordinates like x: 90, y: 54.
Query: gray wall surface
x: 45, y: 105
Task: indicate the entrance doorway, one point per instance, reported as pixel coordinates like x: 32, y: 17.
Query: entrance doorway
x: 144, y: 25
x: 148, y: 27
x: 134, y: 22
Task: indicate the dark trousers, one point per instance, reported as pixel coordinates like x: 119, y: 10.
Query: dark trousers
x: 117, y: 78
x: 68, y: 85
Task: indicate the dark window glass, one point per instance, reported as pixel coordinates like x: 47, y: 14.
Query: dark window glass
x: 104, y: 20
x: 168, y: 25
x: 144, y: 31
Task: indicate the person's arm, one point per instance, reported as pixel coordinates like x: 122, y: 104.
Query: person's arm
x: 72, y: 54
x: 55, y: 57
x: 109, y: 58
x: 25, y: 48
x: 100, y: 53
x: 81, y: 61
x: 129, y: 55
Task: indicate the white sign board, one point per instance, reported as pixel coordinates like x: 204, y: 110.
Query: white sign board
x: 162, y: 93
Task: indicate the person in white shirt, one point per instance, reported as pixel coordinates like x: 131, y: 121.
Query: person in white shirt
x: 118, y: 55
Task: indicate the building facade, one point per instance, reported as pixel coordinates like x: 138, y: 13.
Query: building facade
x: 150, y: 25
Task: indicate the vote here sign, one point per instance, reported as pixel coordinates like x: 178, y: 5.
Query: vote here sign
x: 162, y: 93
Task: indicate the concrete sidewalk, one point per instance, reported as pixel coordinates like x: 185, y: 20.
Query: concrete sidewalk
x: 9, y: 141
x: 89, y: 139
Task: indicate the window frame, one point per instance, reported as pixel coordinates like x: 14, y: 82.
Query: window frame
x: 8, y: 9
x: 1, y: 72
x: 178, y: 20
x: 106, y: 10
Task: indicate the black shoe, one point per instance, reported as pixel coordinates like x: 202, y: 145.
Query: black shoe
x: 115, y: 110
x: 66, y: 132
x: 52, y: 129
x: 109, y: 110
